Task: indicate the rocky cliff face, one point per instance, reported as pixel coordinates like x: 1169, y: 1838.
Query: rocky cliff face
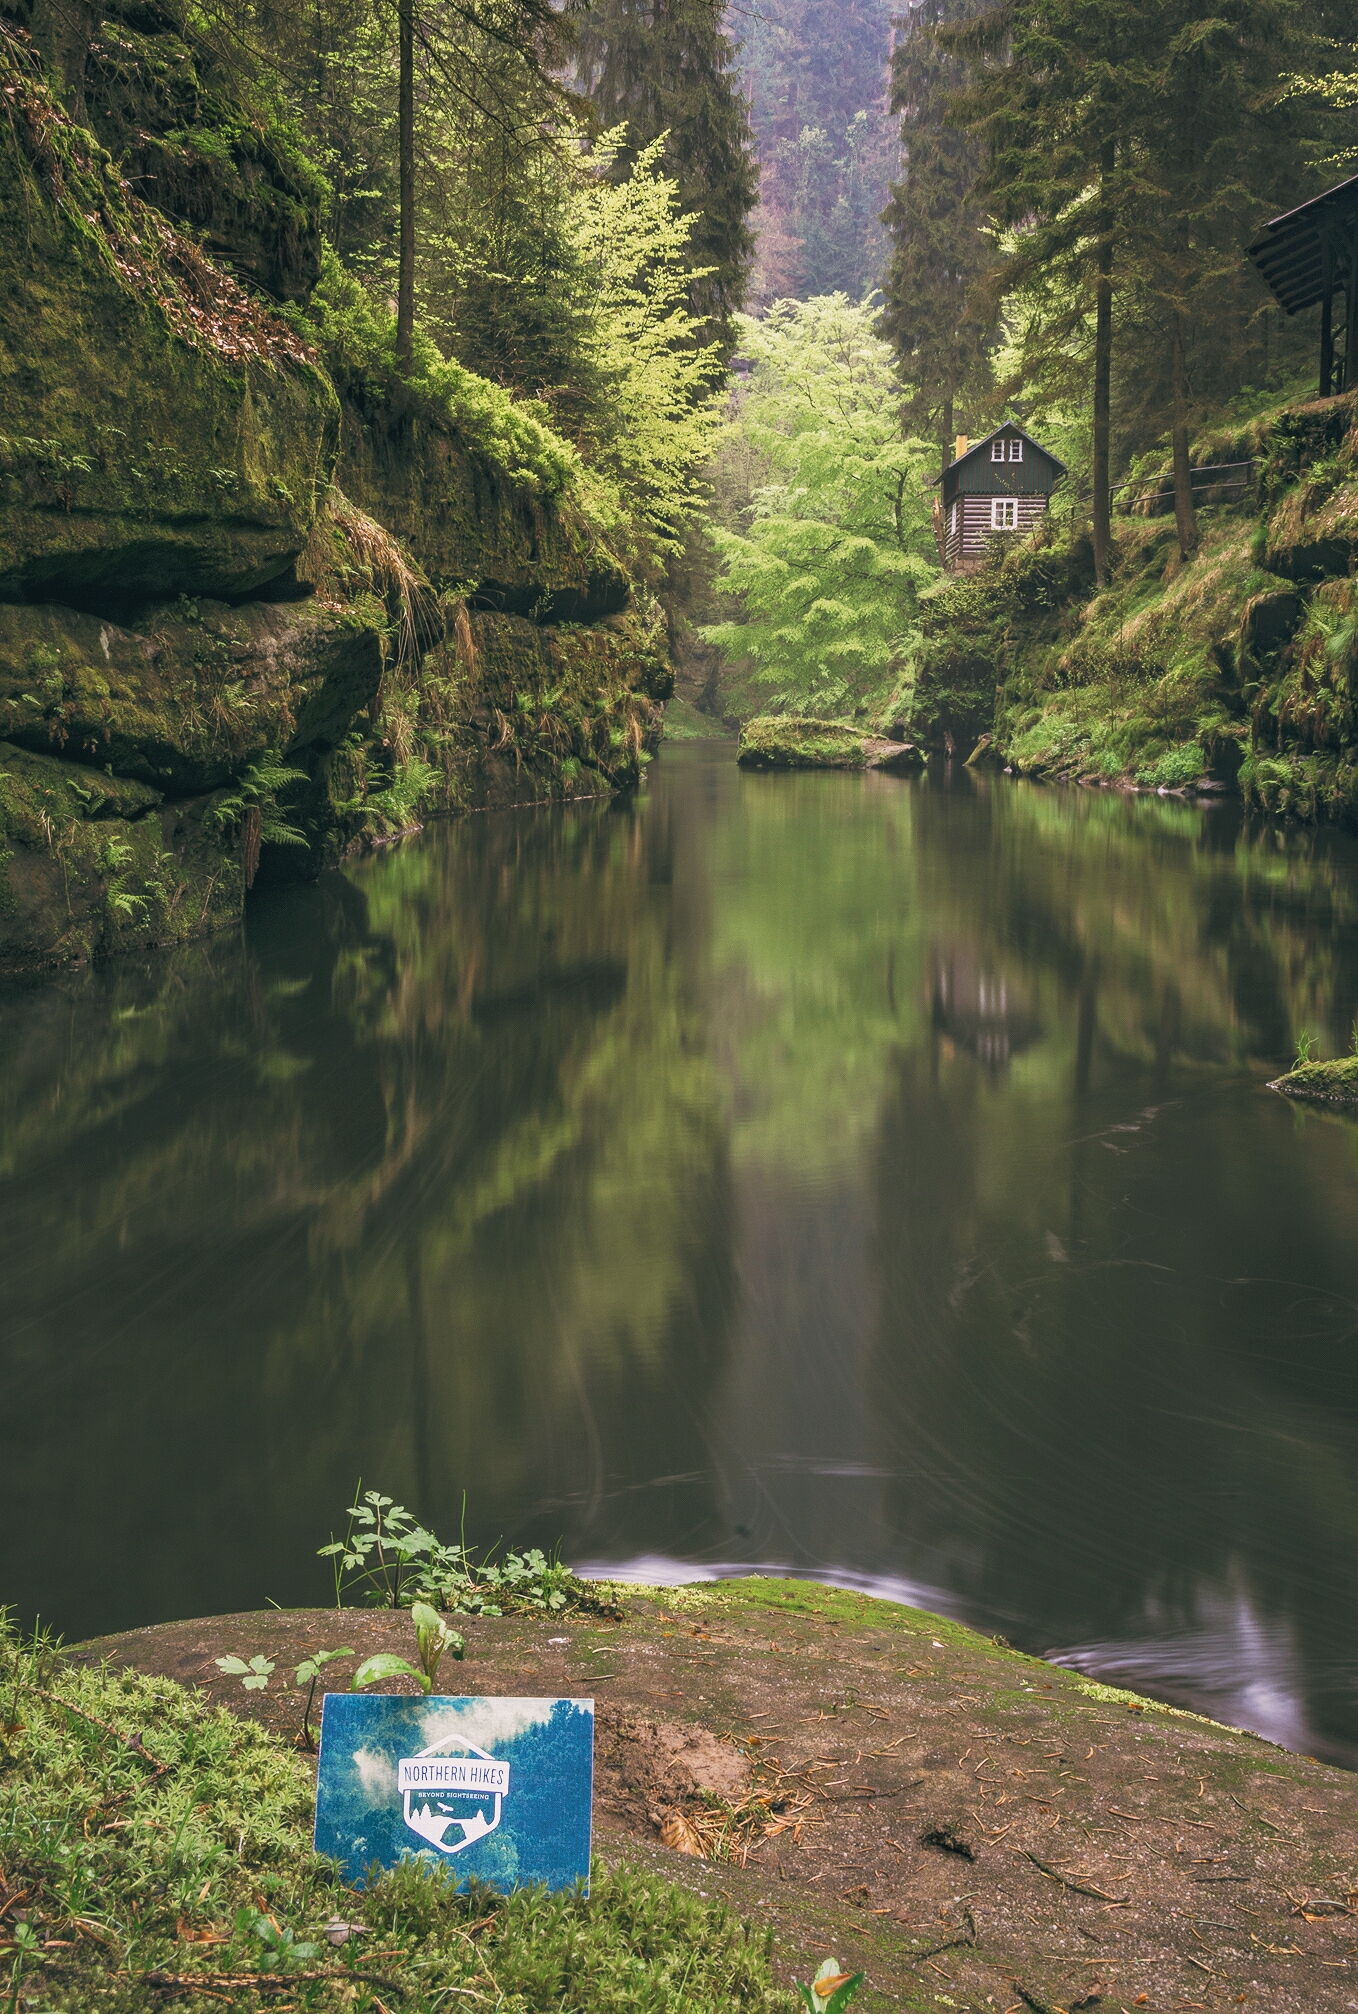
x: 248, y: 618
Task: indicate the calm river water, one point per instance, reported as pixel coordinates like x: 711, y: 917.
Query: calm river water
x: 853, y: 1175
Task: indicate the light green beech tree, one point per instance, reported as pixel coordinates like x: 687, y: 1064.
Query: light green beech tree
x: 840, y: 545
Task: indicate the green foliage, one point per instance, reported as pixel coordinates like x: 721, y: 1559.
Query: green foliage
x: 257, y: 789
x: 433, y: 1637
x: 1183, y: 764
x: 395, y: 1562
x: 935, y: 315
x: 255, y: 1675
x: 665, y: 79
x: 839, y: 545
x: 153, y: 1834
x: 661, y: 388
x: 831, y: 1990
x: 1306, y: 1041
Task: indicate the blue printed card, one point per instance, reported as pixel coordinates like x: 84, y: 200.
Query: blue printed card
x: 496, y: 1790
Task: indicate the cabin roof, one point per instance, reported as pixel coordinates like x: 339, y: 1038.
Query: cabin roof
x: 975, y: 473
x: 1009, y: 427
x: 1289, y: 252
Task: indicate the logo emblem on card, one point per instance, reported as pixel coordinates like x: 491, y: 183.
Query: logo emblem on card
x: 443, y: 1793
x: 493, y: 1790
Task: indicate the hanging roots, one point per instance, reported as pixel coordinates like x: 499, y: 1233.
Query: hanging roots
x: 348, y: 548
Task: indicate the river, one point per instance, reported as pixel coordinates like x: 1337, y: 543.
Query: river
x: 859, y: 1176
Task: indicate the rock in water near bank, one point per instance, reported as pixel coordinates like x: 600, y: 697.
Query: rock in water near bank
x: 1333, y: 1083
x: 798, y: 741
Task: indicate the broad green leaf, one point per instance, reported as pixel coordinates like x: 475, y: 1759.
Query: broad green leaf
x: 385, y: 1665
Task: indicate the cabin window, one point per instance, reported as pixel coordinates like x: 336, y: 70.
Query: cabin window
x: 1004, y: 513
x: 1016, y: 451
x: 997, y: 451
x: 955, y: 509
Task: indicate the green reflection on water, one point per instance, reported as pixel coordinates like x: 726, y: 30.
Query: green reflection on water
x: 822, y: 1169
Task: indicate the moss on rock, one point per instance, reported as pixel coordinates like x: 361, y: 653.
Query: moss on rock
x: 1334, y: 1083
x: 191, y: 695
x: 161, y: 433
x: 91, y: 865
x: 797, y: 741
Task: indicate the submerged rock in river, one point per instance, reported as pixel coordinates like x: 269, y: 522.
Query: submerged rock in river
x: 799, y: 741
x: 1333, y: 1083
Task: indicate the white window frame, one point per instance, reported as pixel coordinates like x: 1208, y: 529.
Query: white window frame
x: 956, y: 509
x: 997, y: 451
x: 1004, y: 513
x: 1016, y: 450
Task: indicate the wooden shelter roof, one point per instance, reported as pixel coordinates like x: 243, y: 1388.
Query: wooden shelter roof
x: 1290, y: 250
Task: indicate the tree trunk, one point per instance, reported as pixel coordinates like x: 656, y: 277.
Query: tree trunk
x: 405, y: 284
x: 1184, y: 519
x: 947, y: 431
x: 1103, y: 370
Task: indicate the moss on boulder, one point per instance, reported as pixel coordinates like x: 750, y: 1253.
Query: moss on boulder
x: 799, y: 741
x: 161, y: 433
x: 193, y: 693
x: 1333, y: 1083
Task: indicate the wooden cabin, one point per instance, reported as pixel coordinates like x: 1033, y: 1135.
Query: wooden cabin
x: 1001, y: 485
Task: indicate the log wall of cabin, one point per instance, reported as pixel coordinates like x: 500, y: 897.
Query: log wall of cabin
x: 968, y: 530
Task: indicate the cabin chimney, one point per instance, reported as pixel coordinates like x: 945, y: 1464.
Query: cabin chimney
x: 960, y: 448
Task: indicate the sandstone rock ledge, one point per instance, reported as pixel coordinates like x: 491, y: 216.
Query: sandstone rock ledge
x: 975, y: 1828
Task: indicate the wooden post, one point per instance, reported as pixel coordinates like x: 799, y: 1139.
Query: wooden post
x: 1103, y: 364
x: 405, y: 280
x: 1351, y: 300
x: 1326, y: 311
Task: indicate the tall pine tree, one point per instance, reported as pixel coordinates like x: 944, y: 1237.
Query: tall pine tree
x: 936, y: 316
x: 666, y: 66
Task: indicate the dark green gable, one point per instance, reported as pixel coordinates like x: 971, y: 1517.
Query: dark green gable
x: 1035, y: 472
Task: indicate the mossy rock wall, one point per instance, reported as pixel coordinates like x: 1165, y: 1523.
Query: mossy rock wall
x: 468, y: 523
x: 145, y: 451
x: 189, y: 605
x: 91, y: 865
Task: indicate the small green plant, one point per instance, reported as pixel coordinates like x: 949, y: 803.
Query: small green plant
x: 307, y: 1673
x: 393, y: 1560
x: 832, y: 1988
x: 283, y: 1950
x: 257, y: 789
x: 255, y: 1677
x: 432, y: 1638
x: 1306, y: 1042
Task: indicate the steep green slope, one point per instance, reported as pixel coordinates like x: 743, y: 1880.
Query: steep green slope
x: 1231, y: 671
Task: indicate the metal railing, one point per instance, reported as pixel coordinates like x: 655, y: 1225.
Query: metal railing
x: 1214, y: 482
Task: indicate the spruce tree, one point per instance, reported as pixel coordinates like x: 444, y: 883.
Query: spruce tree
x: 667, y: 66
x: 1131, y: 147
x: 941, y: 326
